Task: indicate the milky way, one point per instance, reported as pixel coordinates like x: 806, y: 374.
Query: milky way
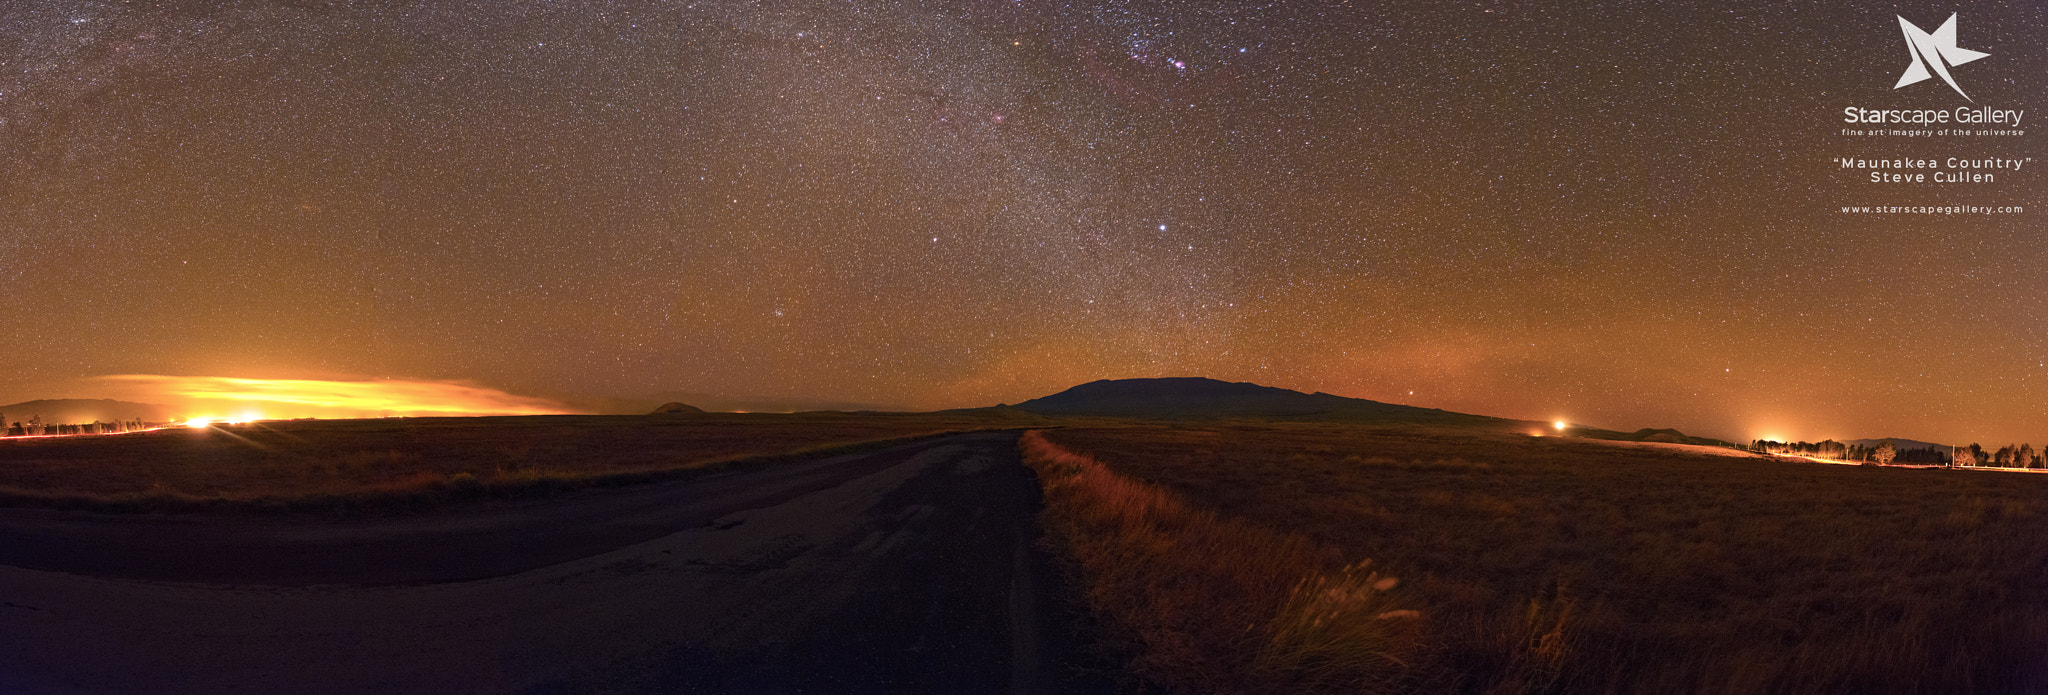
x: 1626, y: 215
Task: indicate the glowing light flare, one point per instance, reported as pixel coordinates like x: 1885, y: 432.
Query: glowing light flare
x: 256, y: 399
x: 1560, y: 425
x: 208, y: 421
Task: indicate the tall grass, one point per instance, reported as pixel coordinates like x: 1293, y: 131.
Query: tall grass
x: 1557, y: 565
x: 1207, y: 604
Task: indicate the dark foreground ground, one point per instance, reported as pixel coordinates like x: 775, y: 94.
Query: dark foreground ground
x: 1556, y: 565
x: 911, y: 569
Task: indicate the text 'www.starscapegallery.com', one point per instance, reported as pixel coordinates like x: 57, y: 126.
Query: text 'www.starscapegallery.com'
x: 1933, y: 209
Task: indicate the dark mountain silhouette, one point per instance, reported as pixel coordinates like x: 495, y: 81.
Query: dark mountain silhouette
x: 1180, y: 398
x: 81, y: 410
x: 674, y: 408
x: 1189, y: 398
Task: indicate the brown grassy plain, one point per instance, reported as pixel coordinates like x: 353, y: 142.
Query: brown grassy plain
x: 1548, y: 565
x: 341, y: 464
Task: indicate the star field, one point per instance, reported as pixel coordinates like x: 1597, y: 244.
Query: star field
x: 1624, y: 214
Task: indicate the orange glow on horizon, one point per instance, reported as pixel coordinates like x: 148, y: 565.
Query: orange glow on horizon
x: 236, y: 400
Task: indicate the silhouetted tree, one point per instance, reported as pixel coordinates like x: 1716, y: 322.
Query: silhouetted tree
x: 1886, y: 451
x: 2024, y: 457
x: 1928, y: 455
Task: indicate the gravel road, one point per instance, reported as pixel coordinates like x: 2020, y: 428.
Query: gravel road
x: 910, y: 569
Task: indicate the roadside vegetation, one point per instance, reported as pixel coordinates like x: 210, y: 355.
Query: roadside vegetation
x: 1546, y: 564
x: 1203, y: 603
x: 421, y: 462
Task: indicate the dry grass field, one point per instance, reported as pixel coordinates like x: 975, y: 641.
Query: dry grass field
x: 1542, y: 564
x: 305, y: 464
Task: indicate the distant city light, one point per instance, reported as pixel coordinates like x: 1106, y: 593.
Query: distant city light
x: 1559, y: 425
x: 239, y: 400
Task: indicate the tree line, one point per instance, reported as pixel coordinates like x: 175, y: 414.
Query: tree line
x: 2008, y: 456
x: 34, y: 427
x: 1885, y: 452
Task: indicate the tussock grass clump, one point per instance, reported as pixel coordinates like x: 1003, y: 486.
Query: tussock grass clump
x: 1206, y: 604
x: 1340, y: 632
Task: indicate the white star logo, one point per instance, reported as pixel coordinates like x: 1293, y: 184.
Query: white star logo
x: 1938, y: 50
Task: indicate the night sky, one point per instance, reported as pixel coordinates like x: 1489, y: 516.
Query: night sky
x: 1625, y: 215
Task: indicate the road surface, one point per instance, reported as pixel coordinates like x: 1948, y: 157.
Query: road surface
x: 911, y: 569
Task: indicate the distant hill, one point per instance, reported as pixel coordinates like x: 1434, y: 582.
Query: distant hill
x: 80, y: 410
x: 1179, y: 398
x: 717, y: 404
x: 1902, y: 444
x: 674, y: 408
x: 1649, y: 434
x: 1002, y: 413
